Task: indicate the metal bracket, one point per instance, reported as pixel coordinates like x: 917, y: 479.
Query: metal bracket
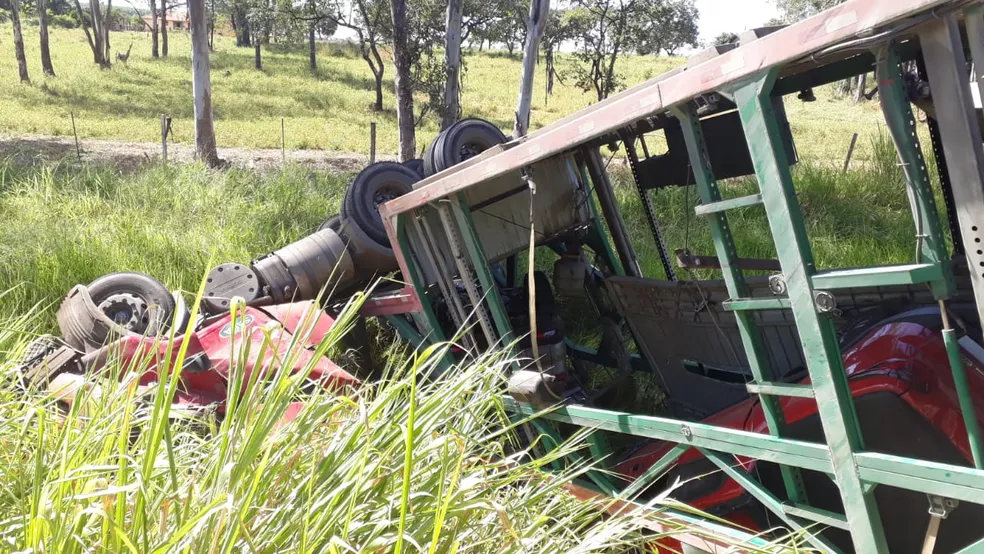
x: 777, y: 284
x: 941, y: 507
x: 824, y: 301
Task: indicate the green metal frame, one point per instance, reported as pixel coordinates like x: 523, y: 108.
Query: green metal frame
x: 724, y: 243
x: 855, y: 471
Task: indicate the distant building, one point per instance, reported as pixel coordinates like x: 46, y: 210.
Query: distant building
x: 175, y: 21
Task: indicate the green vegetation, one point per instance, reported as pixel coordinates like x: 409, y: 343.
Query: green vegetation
x: 329, y: 110
x: 855, y: 218
x: 119, y: 471
x: 65, y: 225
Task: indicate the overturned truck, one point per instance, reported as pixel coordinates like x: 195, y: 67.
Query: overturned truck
x: 839, y: 403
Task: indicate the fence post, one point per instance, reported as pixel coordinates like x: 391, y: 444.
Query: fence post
x: 850, y: 152
x: 372, y: 143
x: 165, y: 129
x: 283, y: 142
x: 78, y: 151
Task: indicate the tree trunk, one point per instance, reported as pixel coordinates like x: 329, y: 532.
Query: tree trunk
x: 535, y: 25
x: 549, y: 64
x: 49, y: 69
x: 404, y: 92
x: 201, y: 85
x: 163, y: 28
x: 100, y: 34
x: 452, y: 65
x: 378, y: 106
x: 313, y: 54
x: 154, y: 30
x: 19, y: 41
x: 312, y: 47
x: 211, y: 27
x: 859, y: 91
x: 257, y: 54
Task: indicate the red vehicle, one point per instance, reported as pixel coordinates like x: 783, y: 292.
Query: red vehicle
x: 121, y: 305
x: 907, y: 405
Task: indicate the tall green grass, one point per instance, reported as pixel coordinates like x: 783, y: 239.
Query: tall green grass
x: 401, y: 465
x: 64, y: 224
x: 856, y: 218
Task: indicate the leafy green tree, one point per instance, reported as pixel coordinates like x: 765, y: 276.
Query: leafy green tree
x: 725, y: 38
x: 368, y: 19
x: 664, y: 26
x: 795, y: 10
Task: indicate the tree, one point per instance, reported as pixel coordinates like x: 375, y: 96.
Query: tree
x: 535, y: 24
x: 163, y: 28
x: 201, y: 84
x: 452, y: 65
x: 260, y: 15
x: 404, y: 92
x: 46, y: 66
x: 613, y: 27
x: 315, y: 18
x: 664, y: 25
x: 98, y: 38
x: 725, y: 38
x: 607, y: 34
x: 154, y: 44
x: 240, y: 23
x: 795, y: 10
x: 19, y: 41
x: 427, y: 76
x: 560, y: 29
x: 367, y: 20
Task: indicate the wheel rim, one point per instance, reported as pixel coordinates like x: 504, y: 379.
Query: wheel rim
x: 126, y: 310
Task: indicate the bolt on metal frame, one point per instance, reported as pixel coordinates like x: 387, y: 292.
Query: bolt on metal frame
x: 843, y: 457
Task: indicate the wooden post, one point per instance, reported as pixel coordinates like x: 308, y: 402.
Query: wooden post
x: 372, y: 143
x: 78, y: 151
x: 850, y: 151
x: 164, y: 136
x: 283, y: 142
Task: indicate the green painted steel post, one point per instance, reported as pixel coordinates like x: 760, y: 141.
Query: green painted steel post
x: 473, y: 245
x: 769, y: 500
x: 727, y: 253
x: 547, y: 429
x: 817, y: 333
x: 417, y: 282
x: 653, y: 472
x: 595, y: 230
x: 964, y: 397
x: 902, y: 126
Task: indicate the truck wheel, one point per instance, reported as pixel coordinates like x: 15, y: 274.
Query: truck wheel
x: 417, y: 165
x: 127, y: 298
x: 434, y: 146
x: 465, y: 140
x: 375, y: 185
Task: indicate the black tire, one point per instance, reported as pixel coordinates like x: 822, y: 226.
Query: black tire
x: 375, y: 185
x: 146, y: 288
x: 417, y: 165
x: 429, y: 168
x: 464, y: 140
x: 334, y: 223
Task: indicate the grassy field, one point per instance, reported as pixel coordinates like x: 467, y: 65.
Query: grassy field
x: 396, y: 466
x: 330, y: 109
